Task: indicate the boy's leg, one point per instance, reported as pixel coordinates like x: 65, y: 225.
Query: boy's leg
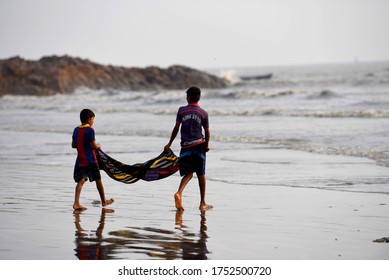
x: 76, y: 204
x: 178, y: 195
x: 100, y: 188
x: 202, y: 185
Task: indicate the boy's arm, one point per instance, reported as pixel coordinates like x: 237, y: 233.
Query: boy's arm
x: 207, y: 136
x: 94, y: 145
x: 74, y: 144
x: 173, y: 136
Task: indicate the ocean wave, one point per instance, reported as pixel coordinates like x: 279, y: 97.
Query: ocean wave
x: 157, y: 110
x: 324, y: 94
x: 381, y: 158
x: 249, y: 93
x: 300, y: 113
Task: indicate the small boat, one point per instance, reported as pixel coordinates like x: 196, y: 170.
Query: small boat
x: 258, y: 77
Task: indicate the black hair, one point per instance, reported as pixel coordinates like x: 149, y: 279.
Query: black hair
x: 194, y: 93
x: 86, y: 114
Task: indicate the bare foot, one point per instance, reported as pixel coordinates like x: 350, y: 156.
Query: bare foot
x: 78, y: 207
x: 178, y: 201
x: 107, y: 202
x: 204, y: 207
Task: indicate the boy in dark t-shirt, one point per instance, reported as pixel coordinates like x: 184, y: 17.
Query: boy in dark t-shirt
x: 86, y: 165
x: 194, y: 145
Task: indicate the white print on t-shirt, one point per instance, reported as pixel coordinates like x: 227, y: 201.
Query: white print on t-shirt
x: 193, y: 117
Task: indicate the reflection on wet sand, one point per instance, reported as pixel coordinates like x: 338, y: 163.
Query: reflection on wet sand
x: 141, y: 242
x: 90, y: 243
x: 193, y: 249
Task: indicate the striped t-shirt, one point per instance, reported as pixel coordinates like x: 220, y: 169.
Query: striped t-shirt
x: 83, y: 135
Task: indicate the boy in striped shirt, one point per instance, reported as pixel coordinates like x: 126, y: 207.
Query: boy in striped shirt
x: 86, y: 165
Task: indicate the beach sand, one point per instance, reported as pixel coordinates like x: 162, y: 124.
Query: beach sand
x: 263, y: 205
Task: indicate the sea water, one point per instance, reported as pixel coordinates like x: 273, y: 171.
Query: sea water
x: 340, y: 109
x: 316, y: 127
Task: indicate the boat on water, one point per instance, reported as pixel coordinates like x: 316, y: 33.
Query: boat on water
x: 257, y: 77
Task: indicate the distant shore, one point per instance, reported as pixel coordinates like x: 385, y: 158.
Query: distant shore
x: 63, y: 74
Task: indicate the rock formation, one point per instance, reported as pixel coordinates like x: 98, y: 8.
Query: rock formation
x: 64, y: 74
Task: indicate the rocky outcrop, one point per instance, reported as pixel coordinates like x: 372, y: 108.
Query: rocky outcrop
x: 64, y: 74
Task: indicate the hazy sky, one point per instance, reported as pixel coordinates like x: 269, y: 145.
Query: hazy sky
x: 197, y: 33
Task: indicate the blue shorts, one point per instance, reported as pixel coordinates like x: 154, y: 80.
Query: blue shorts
x: 192, y: 160
x: 84, y: 172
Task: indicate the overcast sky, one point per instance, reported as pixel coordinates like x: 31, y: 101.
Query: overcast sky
x: 197, y: 33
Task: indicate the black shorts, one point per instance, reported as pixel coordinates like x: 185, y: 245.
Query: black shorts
x: 84, y: 172
x: 192, y: 160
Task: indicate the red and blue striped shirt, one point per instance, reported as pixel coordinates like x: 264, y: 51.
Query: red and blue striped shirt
x: 83, y: 135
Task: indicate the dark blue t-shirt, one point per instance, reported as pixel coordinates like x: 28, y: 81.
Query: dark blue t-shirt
x: 192, y: 118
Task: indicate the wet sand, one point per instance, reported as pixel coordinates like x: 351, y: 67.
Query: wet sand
x: 256, y: 214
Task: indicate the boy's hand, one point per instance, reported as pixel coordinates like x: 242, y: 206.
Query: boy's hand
x: 95, y: 145
x: 166, y: 148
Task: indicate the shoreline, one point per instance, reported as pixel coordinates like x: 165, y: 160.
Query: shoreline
x: 254, y: 216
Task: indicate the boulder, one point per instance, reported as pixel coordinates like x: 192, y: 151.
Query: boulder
x: 64, y: 74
